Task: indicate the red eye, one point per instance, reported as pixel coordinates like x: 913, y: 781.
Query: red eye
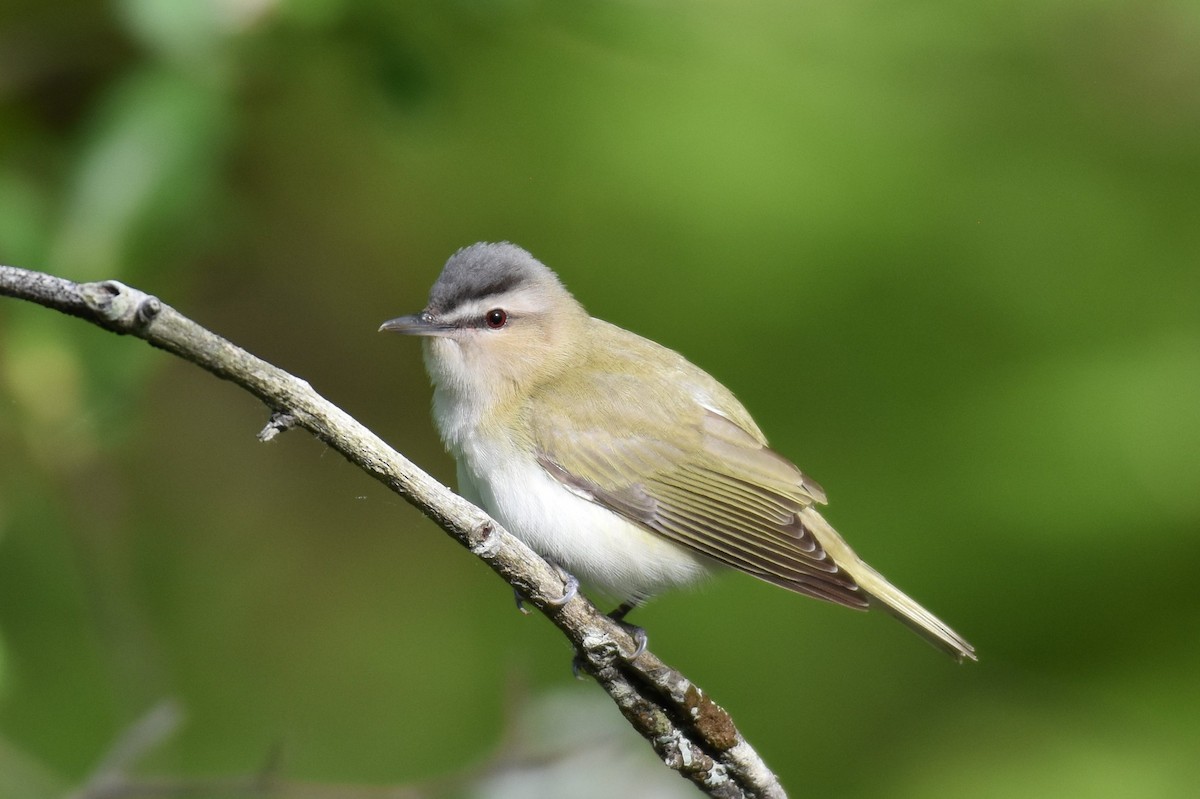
x: 496, y: 318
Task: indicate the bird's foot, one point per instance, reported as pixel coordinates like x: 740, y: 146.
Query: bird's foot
x: 638, y: 634
x: 570, y: 589
x: 639, y: 640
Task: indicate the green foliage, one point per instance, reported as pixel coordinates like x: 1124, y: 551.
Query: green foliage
x: 947, y: 254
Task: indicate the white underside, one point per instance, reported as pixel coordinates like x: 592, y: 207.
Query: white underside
x: 599, y: 547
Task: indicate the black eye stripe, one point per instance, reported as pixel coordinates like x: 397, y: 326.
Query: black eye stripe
x: 479, y: 320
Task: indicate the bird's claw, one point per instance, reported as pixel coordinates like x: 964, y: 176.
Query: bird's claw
x: 570, y: 589
x: 640, y: 639
x: 638, y: 634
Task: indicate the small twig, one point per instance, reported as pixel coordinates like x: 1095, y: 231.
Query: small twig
x: 280, y: 422
x: 148, y: 732
x: 688, y: 731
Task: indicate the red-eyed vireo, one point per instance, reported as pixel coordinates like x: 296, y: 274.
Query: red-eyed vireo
x: 615, y: 457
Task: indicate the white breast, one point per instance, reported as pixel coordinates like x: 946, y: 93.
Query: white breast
x: 591, y: 542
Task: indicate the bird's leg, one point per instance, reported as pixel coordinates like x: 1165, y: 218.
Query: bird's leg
x: 623, y: 610
x: 640, y: 639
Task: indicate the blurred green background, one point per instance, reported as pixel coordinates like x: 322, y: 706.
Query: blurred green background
x: 948, y: 255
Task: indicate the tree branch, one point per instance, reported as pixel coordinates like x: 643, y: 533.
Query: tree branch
x: 690, y: 733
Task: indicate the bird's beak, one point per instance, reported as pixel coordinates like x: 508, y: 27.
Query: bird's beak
x: 418, y: 324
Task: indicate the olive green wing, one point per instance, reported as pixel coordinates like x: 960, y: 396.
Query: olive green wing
x: 696, y: 477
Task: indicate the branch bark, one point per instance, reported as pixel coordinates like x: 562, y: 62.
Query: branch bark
x: 690, y: 733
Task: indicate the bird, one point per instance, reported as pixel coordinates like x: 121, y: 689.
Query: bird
x: 617, y: 459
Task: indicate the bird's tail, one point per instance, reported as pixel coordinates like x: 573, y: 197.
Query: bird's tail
x: 907, y: 610
x: 884, y: 594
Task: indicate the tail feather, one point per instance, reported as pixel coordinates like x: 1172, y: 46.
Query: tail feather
x: 907, y: 610
x: 884, y: 594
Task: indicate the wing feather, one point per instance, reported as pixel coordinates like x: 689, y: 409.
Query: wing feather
x: 720, y: 492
